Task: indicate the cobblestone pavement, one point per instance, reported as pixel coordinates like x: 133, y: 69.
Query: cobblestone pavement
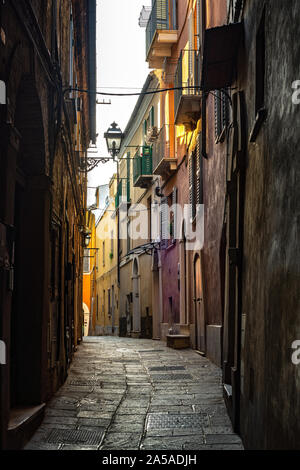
x: 131, y: 394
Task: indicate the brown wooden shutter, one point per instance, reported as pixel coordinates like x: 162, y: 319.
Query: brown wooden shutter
x: 174, y: 202
x: 164, y: 209
x: 199, y: 165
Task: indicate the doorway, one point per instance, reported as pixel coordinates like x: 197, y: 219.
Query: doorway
x: 16, y: 312
x: 136, y: 298
x: 200, y: 340
x: 113, y: 309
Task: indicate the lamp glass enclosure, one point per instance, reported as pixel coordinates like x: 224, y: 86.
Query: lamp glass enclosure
x: 113, y: 138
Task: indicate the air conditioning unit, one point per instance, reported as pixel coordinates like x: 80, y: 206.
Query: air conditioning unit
x: 152, y: 134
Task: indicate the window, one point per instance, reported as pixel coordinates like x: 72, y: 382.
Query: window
x: 86, y: 261
x: 172, y: 201
x: 149, y: 122
x: 128, y: 176
x: 103, y: 253
x: 260, y: 65
x: 196, y: 178
x: 111, y: 244
x: 164, y: 216
x: 192, y: 184
x: 108, y: 302
x: 221, y: 113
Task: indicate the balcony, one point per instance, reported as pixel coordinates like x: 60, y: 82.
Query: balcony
x: 188, y: 96
x: 142, y: 168
x: 161, y: 32
x: 163, y: 163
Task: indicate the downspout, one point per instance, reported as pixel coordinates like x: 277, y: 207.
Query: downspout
x: 204, y: 97
x: 118, y: 226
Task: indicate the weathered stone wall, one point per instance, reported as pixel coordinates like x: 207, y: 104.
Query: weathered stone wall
x: 44, y: 165
x: 271, y: 387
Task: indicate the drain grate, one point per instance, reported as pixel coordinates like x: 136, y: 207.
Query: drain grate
x: 166, y: 368
x: 162, y: 377
x: 164, y: 421
x: 73, y: 436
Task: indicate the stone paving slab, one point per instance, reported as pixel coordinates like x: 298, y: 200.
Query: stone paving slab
x: 130, y: 394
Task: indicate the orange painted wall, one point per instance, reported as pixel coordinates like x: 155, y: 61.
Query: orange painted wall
x: 87, y: 290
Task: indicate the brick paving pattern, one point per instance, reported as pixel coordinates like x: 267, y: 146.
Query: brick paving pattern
x: 115, y: 399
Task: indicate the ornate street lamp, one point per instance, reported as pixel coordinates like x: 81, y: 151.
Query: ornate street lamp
x: 86, y: 236
x: 113, y: 138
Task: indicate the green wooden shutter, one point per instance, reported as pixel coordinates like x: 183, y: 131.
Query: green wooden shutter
x: 152, y: 117
x: 162, y: 14
x: 128, y: 176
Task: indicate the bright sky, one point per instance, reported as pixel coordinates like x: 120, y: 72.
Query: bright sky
x: 120, y: 63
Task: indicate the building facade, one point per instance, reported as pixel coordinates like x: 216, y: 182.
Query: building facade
x: 136, y: 200
x: 230, y: 66
x: 106, y: 308
x: 45, y: 131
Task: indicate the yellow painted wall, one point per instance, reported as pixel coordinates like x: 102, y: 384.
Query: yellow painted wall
x: 107, y: 272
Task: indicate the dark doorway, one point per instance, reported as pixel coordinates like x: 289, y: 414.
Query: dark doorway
x: 16, y: 313
x: 199, y: 307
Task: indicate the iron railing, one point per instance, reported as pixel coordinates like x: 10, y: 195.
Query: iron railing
x: 161, y: 148
x: 142, y: 163
x: 163, y: 17
x: 187, y: 75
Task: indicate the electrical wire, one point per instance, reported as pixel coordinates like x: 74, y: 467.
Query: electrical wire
x: 104, y: 93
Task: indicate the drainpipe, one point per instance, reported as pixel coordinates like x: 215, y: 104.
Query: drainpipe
x: 118, y: 225
x: 203, y: 104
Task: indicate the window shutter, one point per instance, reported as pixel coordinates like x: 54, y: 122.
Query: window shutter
x: 192, y: 184
x: 199, y: 166
x: 218, y: 113
x: 162, y: 14
x: 225, y: 110
x: 128, y: 176
x: 152, y: 117
x: 174, y: 202
x: 145, y: 127
x: 164, y: 221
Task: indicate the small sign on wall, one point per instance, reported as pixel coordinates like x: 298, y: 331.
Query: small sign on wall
x: 2, y: 93
x: 2, y: 353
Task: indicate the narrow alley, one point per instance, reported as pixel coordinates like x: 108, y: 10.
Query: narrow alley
x: 130, y: 394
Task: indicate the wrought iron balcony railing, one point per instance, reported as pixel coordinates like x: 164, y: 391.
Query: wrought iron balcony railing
x: 187, y: 83
x: 163, y: 17
x: 142, y: 167
x: 163, y: 161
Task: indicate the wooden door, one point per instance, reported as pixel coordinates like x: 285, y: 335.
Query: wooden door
x: 199, y: 307
x: 234, y: 259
